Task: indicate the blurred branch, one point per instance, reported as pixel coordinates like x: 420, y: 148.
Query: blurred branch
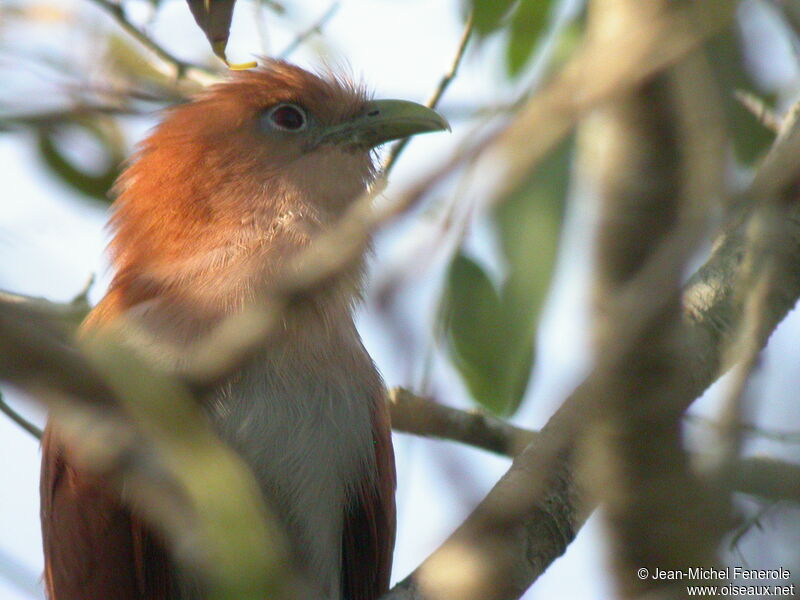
x: 69, y: 313
x: 758, y: 476
x: 656, y: 170
x: 756, y: 281
x: 433, y: 101
x: 315, y: 28
x: 792, y: 12
x: 779, y: 165
x: 39, y: 119
x: 605, y: 67
x: 181, y: 68
x: 785, y: 437
x: 766, y: 477
x: 19, y: 419
x: 161, y: 450
x: 420, y: 416
x: 711, y: 303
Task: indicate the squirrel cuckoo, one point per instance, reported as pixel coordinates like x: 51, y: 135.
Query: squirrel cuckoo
x: 218, y: 198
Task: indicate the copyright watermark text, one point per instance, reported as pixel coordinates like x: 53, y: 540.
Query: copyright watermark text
x: 756, y: 581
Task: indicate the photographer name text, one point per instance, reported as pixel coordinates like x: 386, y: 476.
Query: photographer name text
x: 708, y: 573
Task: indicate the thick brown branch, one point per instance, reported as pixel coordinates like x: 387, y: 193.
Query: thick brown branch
x: 657, y: 165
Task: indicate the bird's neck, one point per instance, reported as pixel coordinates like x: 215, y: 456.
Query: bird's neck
x: 192, y: 268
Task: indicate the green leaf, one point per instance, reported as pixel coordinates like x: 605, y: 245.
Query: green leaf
x: 528, y: 22
x: 473, y: 327
x: 106, y: 133
x: 491, y: 329
x: 472, y: 299
x: 487, y: 15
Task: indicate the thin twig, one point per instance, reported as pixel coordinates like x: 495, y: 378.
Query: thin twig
x: 82, y: 297
x: 784, y: 437
x: 315, y: 28
x: 433, y: 101
x: 759, y: 109
x: 182, y: 68
x: 779, y: 166
x: 19, y: 419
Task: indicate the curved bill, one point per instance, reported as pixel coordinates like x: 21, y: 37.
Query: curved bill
x: 382, y: 121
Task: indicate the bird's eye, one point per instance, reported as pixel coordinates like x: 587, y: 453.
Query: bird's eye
x: 288, y: 117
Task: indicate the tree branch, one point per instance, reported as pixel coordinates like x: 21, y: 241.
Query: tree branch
x: 413, y: 414
x: 19, y: 419
x: 143, y: 432
x: 180, y: 67
x: 416, y: 415
x: 69, y: 313
x: 657, y: 167
x: 433, y: 101
x: 315, y: 28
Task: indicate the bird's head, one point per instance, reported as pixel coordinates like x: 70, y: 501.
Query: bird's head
x: 254, y: 165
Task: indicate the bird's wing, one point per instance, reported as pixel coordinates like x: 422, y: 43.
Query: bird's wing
x: 369, y: 527
x: 93, y: 548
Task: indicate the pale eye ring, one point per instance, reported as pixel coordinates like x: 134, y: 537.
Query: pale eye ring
x: 288, y: 117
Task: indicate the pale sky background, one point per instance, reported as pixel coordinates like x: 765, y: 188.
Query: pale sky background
x: 52, y: 239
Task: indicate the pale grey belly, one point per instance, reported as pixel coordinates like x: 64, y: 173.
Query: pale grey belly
x: 306, y: 434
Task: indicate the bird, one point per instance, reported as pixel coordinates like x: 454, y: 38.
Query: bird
x: 223, y: 194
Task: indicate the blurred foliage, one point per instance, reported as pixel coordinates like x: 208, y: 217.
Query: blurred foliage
x: 750, y: 138
x: 491, y: 329
x: 103, y: 131
x: 127, y: 65
x: 488, y: 15
x: 527, y: 24
x: 524, y: 21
